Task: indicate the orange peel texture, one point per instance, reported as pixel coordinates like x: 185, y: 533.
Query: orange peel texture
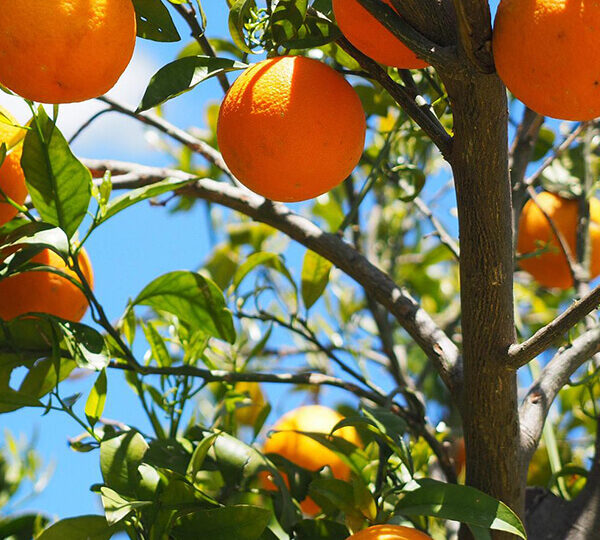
x: 63, y: 51
x: 291, y: 128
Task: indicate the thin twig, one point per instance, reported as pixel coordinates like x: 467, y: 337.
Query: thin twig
x: 519, y: 355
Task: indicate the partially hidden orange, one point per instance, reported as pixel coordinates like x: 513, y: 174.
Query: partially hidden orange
x: 12, y: 179
x: 37, y: 291
x: 62, y: 51
x: 546, y: 54
x: 371, y: 37
x: 389, y: 532
x: 247, y: 414
x: 306, y: 452
x: 544, y: 258
x: 291, y: 128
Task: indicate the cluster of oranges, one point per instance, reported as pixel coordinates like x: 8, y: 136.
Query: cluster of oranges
x: 34, y: 291
x: 70, y: 51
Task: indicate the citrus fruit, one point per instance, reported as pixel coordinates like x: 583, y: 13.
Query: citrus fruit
x: 545, y: 52
x: 36, y: 291
x: 291, y: 128
x: 246, y: 415
x: 371, y: 37
x: 389, y: 532
x: 12, y: 179
x: 62, y: 51
x: 549, y: 265
x: 306, y: 452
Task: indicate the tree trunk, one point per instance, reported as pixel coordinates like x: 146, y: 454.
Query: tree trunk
x: 479, y: 160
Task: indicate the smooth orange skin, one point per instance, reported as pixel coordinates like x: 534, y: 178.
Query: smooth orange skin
x: 45, y: 292
x: 12, y: 183
x: 546, y: 54
x: 370, y: 37
x: 551, y: 269
x: 304, y: 451
x: 389, y: 532
x: 291, y: 128
x: 63, y: 51
x: 12, y: 179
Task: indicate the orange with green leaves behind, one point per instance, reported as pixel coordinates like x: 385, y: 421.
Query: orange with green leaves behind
x: 371, y: 37
x: 389, y: 532
x: 12, y: 179
x: 539, y: 247
x: 62, y: 51
x: 306, y: 452
x: 38, y: 291
x: 291, y: 128
x: 546, y: 53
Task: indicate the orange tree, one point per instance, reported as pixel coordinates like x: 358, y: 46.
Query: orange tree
x: 386, y: 305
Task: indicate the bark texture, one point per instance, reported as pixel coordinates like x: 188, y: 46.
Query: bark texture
x: 479, y: 161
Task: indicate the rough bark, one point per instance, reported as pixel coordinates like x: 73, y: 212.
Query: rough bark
x: 480, y: 164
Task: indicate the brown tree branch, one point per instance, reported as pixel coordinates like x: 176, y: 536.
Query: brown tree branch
x: 541, y: 394
x: 434, y: 342
x: 430, y: 51
x: 414, y: 105
x: 475, y: 31
x: 524, y: 352
x: 191, y: 142
x: 189, y: 15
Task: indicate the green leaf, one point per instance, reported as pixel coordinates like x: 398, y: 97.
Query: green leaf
x: 193, y: 298
x: 116, y: 507
x: 59, y: 184
x: 120, y: 458
x: 320, y: 529
x: 287, y: 19
x: 88, y: 527
x: 269, y: 260
x: 157, y: 345
x: 241, y: 522
x: 22, y: 527
x: 315, y: 277
x: 39, y: 234
x: 140, y: 194
x: 95, y: 402
x: 239, y: 13
x: 154, y: 21
x: 182, y: 75
x: 199, y: 455
x: 426, y: 497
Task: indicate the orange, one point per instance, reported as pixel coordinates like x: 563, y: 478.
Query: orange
x: 45, y: 292
x: 62, y: 51
x: 389, y: 532
x: 306, y: 452
x: 370, y: 37
x: 291, y: 128
x: 246, y: 415
x: 550, y: 268
x: 546, y: 54
x: 12, y: 179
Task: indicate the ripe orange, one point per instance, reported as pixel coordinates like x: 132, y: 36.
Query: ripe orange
x: 12, y: 179
x: 46, y: 292
x: 291, y: 128
x: 551, y: 268
x: 61, y: 51
x: 370, y: 37
x: 248, y: 414
x: 389, y: 532
x: 306, y: 452
x: 545, y: 52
